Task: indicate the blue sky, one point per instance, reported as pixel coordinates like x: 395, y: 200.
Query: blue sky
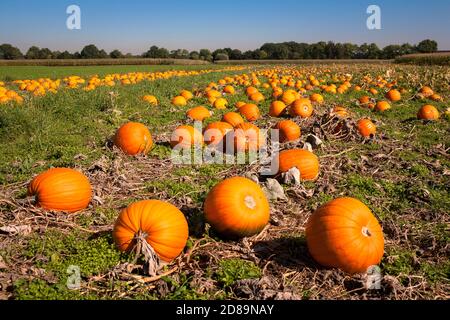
x: 134, y: 25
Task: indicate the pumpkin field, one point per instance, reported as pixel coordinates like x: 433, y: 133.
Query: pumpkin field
x: 93, y: 205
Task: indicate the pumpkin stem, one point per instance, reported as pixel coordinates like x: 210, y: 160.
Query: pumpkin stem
x: 152, y: 261
x: 366, y: 232
x: 250, y: 202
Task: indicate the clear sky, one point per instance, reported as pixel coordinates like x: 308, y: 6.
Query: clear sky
x: 134, y: 25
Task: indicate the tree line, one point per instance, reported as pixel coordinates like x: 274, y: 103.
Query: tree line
x: 276, y: 51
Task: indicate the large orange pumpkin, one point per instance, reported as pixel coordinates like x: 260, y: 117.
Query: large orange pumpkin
x: 288, y: 130
x: 186, y: 94
x: 161, y: 224
x: 393, y: 95
x: 61, y: 189
x: 277, y: 108
x: 257, y: 97
x: 199, y: 113
x: 247, y: 137
x: 289, y: 96
x: 232, y: 118
x: 345, y: 234
x: 301, y: 108
x: 305, y: 161
x: 366, y: 128
x: 251, y: 90
x: 179, y: 101
x: 133, y: 138
x: 250, y: 111
x: 236, y: 208
x: 428, y: 112
x: 382, y: 106
x: 185, y: 137
x: 215, y: 132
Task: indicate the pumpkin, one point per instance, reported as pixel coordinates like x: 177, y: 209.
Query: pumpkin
x: 61, y: 189
x: 157, y: 227
x: 301, y: 108
x: 150, y: 99
x: 232, y: 118
x: 382, y: 106
x: 366, y: 128
x: 220, y: 103
x: 239, y: 104
x: 340, y: 112
x: 179, y: 101
x: 317, y: 98
x: 247, y: 137
x: 428, y: 112
x: 426, y: 91
x: 364, y: 100
x: 288, y: 130
x: 305, y: 161
x: 213, y: 94
x: 199, y: 113
x: 393, y: 95
x: 277, y: 91
x: 229, y: 89
x: 277, y: 108
x: 251, y: 90
x: 436, y: 97
x: 345, y: 234
x: 289, y: 96
x: 237, y: 208
x: 185, y: 137
x: 257, y: 97
x: 250, y: 111
x: 373, y: 91
x: 186, y: 94
x: 133, y: 138
x: 215, y: 132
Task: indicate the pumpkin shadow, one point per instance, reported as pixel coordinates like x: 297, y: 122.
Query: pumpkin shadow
x: 411, y: 119
x: 290, y: 252
x: 196, y: 221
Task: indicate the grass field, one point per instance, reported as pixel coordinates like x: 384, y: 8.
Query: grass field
x: 402, y: 176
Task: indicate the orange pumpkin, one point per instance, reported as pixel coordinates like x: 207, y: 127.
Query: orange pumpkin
x: 301, y: 108
x: 229, y: 89
x: 257, y: 97
x: 232, y: 118
x: 364, y: 100
x: 213, y: 94
x: 236, y: 208
x: 382, y: 106
x: 277, y: 108
x: 220, y: 103
x: 133, y: 138
x: 179, y: 101
x: 305, y: 161
x: 340, y: 112
x: 428, y: 112
x: 317, y: 98
x: 288, y: 130
x: 247, y: 137
x: 215, y: 132
x: 251, y: 90
x: 150, y: 99
x: 289, y: 96
x: 393, y: 95
x: 250, y: 111
x: 199, y: 113
x: 366, y: 128
x: 61, y: 189
x: 426, y: 91
x: 186, y: 94
x: 185, y: 137
x: 161, y: 224
x: 345, y: 234
x: 239, y: 104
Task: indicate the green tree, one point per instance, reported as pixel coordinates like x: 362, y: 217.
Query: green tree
x: 90, y: 52
x: 9, y: 52
x: 116, y: 54
x: 32, y: 53
x: 194, y: 55
x: 427, y: 46
x: 221, y: 56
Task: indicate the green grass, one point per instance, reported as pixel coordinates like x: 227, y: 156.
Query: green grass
x: 232, y: 270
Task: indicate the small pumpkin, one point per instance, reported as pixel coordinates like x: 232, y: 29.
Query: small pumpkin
x: 213, y: 94
x: 340, y: 112
x: 428, y: 112
x: 393, y: 95
x: 215, y: 132
x: 220, y: 103
x: 61, y: 189
x: 305, y: 161
x: 229, y: 89
x: 240, y: 104
x: 277, y: 108
x: 150, y: 99
x: 186, y: 137
x: 257, y: 97
x: 345, y: 234
x: 157, y: 227
x: 199, y: 113
x: 288, y: 131
x: 186, y: 94
x: 251, y: 90
x: 364, y: 100
x: 366, y: 128
x: 426, y: 91
x: 250, y: 111
x: 179, y: 101
x: 317, y: 98
x: 301, y: 108
x: 289, y: 96
x: 247, y: 137
x: 133, y: 138
x: 233, y: 118
x: 382, y: 106
x: 237, y: 208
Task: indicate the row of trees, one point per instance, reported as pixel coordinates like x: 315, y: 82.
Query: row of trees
x: 285, y: 50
